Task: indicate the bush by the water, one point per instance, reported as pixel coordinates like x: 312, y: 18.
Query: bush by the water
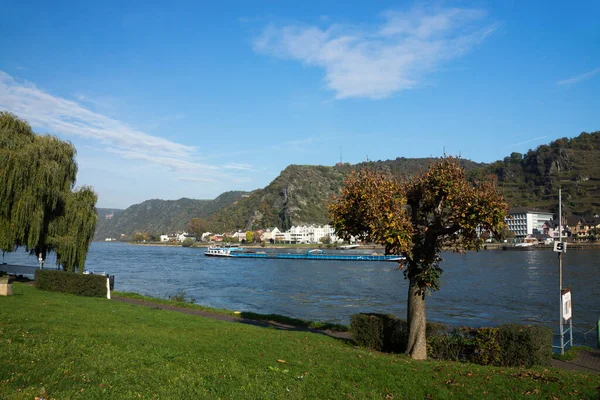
x: 187, y: 242
x: 385, y: 332
x: 506, y: 345
x: 525, y: 345
x: 69, y: 282
x: 381, y: 332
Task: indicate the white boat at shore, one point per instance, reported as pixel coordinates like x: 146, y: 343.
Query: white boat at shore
x: 217, y: 251
x: 348, y: 247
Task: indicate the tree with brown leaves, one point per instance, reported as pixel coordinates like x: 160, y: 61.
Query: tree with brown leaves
x: 418, y: 218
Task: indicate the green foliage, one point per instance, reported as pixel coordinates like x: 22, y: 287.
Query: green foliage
x: 380, y: 332
x: 506, y: 345
x: 181, y: 297
x: 385, y: 332
x: 140, y: 237
x: 487, y: 350
x: 451, y: 346
x: 197, y: 226
x: 525, y: 345
x: 68, y: 282
x: 249, y: 237
x: 187, y: 242
x: 38, y: 209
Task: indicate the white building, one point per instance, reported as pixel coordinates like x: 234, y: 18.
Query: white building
x: 184, y: 235
x: 269, y: 234
x: 205, y: 236
x: 164, y: 238
x: 524, y: 222
x: 239, y: 236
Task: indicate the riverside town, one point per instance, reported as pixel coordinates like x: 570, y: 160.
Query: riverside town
x: 261, y: 200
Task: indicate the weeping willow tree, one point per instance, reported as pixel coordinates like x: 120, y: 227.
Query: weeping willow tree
x: 38, y: 208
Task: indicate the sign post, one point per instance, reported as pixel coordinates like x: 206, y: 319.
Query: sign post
x: 565, y: 295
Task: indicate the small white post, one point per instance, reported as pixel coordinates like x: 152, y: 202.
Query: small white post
x: 108, y: 287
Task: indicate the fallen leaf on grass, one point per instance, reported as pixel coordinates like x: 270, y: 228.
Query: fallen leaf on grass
x: 281, y: 361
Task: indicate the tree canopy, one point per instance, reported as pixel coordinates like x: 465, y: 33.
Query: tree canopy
x: 38, y: 208
x: 419, y: 217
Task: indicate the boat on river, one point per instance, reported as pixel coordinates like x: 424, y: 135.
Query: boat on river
x: 318, y: 254
x: 217, y: 251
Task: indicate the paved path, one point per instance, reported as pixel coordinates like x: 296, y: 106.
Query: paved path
x: 586, y: 361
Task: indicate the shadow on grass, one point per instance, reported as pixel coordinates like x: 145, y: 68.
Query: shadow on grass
x: 275, y: 321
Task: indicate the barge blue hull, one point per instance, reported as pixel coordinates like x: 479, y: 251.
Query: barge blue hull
x: 337, y: 257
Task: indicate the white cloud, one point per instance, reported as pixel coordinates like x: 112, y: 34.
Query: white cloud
x: 70, y: 118
x: 579, y: 78
x: 379, y: 61
x: 239, y: 167
x: 195, y: 180
x: 528, y: 141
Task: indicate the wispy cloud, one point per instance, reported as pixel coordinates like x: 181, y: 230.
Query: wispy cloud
x: 70, y: 118
x: 378, y: 61
x: 195, y: 179
x: 579, y: 78
x: 304, y: 145
x: 527, y: 141
x: 239, y: 167
x: 59, y: 115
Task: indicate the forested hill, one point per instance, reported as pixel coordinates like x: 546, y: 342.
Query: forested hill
x: 160, y: 216
x: 533, y: 179
x: 300, y: 194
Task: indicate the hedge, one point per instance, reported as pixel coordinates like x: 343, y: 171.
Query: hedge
x: 384, y: 332
x: 507, y: 345
x: 525, y: 345
x: 69, y: 282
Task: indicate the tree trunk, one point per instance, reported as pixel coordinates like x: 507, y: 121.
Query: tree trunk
x: 417, y: 341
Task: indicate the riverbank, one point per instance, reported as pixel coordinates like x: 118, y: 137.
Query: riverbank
x: 570, y: 246
x: 94, y: 349
x: 375, y: 247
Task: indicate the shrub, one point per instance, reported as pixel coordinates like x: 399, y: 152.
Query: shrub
x: 453, y: 346
x: 525, y: 345
x: 69, y: 282
x: 486, y: 347
x: 181, y: 297
x: 187, y: 242
x: 385, y: 332
x: 381, y: 332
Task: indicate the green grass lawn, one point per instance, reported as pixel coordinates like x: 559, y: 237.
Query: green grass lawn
x: 64, y: 347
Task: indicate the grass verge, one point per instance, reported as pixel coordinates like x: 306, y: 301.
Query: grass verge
x: 61, y: 346
x: 243, y: 314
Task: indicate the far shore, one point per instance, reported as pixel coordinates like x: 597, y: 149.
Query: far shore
x: 257, y: 246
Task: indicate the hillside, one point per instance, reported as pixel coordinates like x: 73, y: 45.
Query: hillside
x: 300, y: 194
x: 533, y: 179
x: 160, y: 216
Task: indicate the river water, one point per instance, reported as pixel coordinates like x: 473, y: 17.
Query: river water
x: 477, y: 289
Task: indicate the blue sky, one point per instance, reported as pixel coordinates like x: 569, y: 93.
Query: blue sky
x: 174, y: 99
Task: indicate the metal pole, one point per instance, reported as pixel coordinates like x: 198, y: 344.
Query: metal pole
x: 561, y: 330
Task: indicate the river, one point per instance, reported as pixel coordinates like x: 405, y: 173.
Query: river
x: 477, y: 289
